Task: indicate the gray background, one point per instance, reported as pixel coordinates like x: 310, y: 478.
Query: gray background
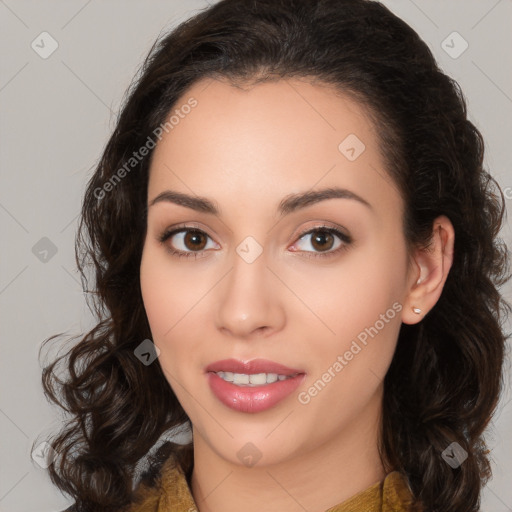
x: 56, y: 115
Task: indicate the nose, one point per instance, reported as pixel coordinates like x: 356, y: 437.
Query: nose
x: 249, y: 300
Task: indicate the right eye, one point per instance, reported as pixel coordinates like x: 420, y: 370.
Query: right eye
x: 187, y: 242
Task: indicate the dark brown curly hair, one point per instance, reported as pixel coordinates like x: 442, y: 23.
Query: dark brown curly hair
x: 445, y: 379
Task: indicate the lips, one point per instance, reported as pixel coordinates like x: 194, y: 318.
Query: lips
x: 256, y: 398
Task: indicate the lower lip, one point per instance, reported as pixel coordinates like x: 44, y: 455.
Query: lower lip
x: 252, y: 399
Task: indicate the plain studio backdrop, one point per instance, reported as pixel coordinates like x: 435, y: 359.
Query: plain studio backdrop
x: 64, y: 69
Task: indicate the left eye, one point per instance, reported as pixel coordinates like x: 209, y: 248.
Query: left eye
x: 322, y: 240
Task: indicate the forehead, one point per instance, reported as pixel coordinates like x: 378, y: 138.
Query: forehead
x: 268, y: 140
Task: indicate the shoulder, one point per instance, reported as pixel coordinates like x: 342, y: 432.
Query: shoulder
x: 397, y: 494
x: 166, y: 482
x: 164, y: 479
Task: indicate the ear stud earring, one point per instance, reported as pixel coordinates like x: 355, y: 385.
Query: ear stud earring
x: 416, y: 310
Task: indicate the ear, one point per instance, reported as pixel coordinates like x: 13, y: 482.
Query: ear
x: 428, y: 272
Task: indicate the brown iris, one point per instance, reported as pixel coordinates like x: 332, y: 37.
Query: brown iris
x: 194, y: 240
x: 322, y: 240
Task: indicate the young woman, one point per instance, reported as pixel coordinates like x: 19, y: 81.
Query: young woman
x: 295, y: 253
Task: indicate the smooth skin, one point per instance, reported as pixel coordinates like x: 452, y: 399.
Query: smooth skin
x: 300, y: 303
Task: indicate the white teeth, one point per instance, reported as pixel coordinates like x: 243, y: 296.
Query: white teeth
x: 257, y: 379
x: 240, y: 378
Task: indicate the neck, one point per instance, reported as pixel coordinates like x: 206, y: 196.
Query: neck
x: 315, y: 480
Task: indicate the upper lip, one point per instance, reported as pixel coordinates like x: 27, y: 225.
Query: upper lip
x: 251, y: 367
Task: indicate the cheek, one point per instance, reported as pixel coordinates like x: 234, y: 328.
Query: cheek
x: 352, y: 295
x: 174, y: 299
x: 165, y: 298
x: 158, y: 302
x: 359, y: 305
x: 168, y: 291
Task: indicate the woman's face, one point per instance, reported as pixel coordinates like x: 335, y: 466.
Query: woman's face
x: 261, y: 275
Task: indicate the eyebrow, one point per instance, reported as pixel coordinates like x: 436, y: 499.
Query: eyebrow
x: 289, y: 204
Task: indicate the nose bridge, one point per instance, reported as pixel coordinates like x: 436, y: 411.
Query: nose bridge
x: 248, y: 300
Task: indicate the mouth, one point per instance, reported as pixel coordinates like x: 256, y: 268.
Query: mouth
x: 252, y: 386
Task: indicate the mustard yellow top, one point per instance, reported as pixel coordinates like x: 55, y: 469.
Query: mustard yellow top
x: 172, y: 494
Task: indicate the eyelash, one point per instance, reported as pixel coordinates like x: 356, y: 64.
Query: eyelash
x: 345, y: 239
